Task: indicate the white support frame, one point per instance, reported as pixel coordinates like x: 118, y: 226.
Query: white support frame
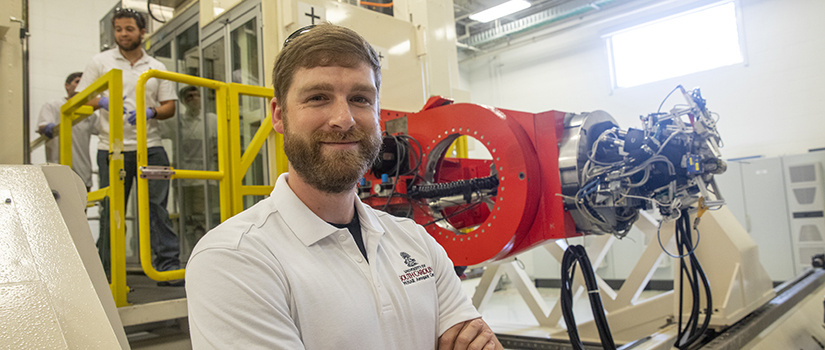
x: 630, y: 317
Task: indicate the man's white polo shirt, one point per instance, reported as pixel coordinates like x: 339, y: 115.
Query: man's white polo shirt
x: 278, y: 277
x: 156, y: 91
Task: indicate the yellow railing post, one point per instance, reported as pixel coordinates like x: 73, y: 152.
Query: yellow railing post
x: 234, y: 146
x: 113, y: 81
x: 281, y: 163
x: 117, y: 194
x: 224, y: 159
x: 221, y: 175
x: 460, y: 148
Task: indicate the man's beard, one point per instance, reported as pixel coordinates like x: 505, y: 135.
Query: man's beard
x: 132, y: 46
x: 194, y: 109
x: 334, y: 171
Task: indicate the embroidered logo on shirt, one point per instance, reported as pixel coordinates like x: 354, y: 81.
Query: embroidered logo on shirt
x: 408, y: 259
x: 416, y: 272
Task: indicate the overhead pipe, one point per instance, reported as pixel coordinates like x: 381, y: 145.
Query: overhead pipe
x: 534, y: 21
x: 644, y: 6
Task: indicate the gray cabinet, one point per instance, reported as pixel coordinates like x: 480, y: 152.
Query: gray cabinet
x: 755, y: 192
x: 806, y: 206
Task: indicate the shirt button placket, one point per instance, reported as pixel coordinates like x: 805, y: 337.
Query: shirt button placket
x: 356, y: 255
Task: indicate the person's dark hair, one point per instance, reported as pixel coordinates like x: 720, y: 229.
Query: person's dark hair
x: 73, y: 76
x: 186, y: 89
x: 129, y: 13
x: 322, y: 45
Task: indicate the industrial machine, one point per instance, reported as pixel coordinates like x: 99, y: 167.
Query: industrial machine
x: 551, y: 175
x: 555, y: 175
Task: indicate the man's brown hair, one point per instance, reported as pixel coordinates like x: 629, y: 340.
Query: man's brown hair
x: 322, y: 46
x: 73, y: 76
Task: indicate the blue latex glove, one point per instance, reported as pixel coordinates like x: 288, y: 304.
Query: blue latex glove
x: 103, y: 103
x: 48, y: 130
x: 150, y: 113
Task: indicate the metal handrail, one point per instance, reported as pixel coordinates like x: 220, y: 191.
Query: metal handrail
x: 246, y: 159
x: 221, y: 175
x: 113, y: 82
x: 231, y: 163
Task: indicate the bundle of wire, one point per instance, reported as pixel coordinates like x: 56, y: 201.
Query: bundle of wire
x: 692, y: 271
x: 403, y: 146
x: 596, y: 173
x: 575, y: 254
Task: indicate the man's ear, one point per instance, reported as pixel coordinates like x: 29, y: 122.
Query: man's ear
x: 277, y: 116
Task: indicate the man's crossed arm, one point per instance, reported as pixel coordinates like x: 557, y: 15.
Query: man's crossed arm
x: 473, y: 334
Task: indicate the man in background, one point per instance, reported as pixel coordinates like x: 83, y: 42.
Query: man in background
x: 132, y: 60
x: 82, y: 132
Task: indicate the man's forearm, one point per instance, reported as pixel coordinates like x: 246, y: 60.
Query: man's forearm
x: 166, y: 110
x: 95, y: 103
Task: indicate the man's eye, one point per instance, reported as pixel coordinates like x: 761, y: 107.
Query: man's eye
x: 362, y: 100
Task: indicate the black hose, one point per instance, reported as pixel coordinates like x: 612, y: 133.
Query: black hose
x: 149, y: 10
x: 462, y: 187
x: 693, y: 272
x: 576, y: 254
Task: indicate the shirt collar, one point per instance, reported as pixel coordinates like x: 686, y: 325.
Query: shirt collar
x: 308, y: 227
x: 143, y: 58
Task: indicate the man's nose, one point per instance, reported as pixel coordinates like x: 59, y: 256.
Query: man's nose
x: 342, y: 118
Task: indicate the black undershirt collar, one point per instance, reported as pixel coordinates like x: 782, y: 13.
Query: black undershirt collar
x: 354, y: 228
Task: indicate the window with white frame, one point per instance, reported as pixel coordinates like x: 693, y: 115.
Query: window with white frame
x: 701, y: 39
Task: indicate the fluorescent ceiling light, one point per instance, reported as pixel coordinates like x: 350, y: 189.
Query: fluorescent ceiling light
x: 499, y: 11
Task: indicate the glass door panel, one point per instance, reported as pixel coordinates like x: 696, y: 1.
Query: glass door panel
x: 197, y: 144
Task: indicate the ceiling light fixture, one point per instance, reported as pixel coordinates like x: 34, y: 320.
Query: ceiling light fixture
x: 499, y: 11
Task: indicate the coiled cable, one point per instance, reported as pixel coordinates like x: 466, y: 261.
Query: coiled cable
x: 462, y: 187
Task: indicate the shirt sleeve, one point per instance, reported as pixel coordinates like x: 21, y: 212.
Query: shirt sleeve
x: 94, y: 129
x: 90, y: 74
x: 166, y: 88
x: 453, y: 305
x: 237, y: 301
x: 48, y: 115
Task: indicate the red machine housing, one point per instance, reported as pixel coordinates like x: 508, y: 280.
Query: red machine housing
x: 527, y: 209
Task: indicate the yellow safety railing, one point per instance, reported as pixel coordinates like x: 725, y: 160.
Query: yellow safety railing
x: 221, y: 175
x: 238, y: 170
x: 232, y: 165
x: 112, y: 81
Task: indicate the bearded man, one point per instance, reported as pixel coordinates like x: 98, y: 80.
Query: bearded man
x: 311, y: 266
x: 130, y: 27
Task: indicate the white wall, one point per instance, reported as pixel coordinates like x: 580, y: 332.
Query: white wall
x: 64, y: 36
x: 772, y: 105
